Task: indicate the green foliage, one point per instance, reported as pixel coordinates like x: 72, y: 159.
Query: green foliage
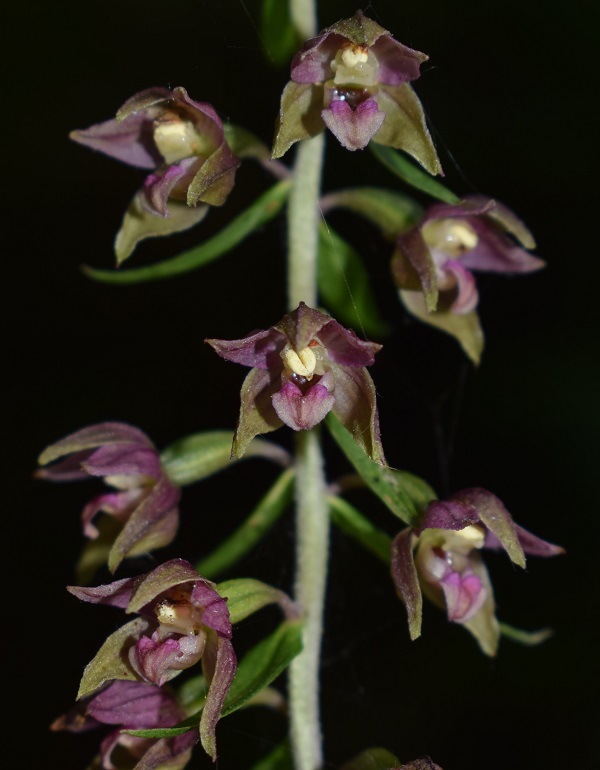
x: 390, y: 211
x: 399, y: 165
x: 351, y: 521
x: 344, y: 284
x: 526, y: 638
x: 278, y: 759
x: 403, y: 493
x: 279, y: 36
x: 262, y: 518
x: 245, y: 596
x: 267, y: 206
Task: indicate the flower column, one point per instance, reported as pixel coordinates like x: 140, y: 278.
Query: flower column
x: 312, y: 527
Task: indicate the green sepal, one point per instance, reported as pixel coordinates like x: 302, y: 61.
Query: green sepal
x: 344, y: 284
x: 373, y: 759
x: 245, y: 596
x: 405, y: 494
x: 390, y: 211
x: 280, y: 758
x: 277, y: 31
x: 466, y: 329
x: 299, y: 116
x: 258, y: 668
x: 526, y: 638
x: 200, y: 455
x: 262, y: 518
x: 267, y: 206
x: 399, y: 165
x: 245, y: 144
x: 405, y: 127
x: 139, y: 224
x: 109, y: 663
x: 352, y: 522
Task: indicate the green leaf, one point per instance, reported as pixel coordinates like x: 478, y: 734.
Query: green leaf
x: 110, y: 662
x: 390, y: 211
x: 399, y: 165
x: 403, y: 493
x: 200, y: 455
x: 344, y: 284
x: 527, y: 638
x: 278, y: 759
x: 268, y: 205
x: 277, y: 31
x: 373, y: 759
x: 347, y: 518
x: 263, y: 664
x: 245, y: 596
x: 262, y: 518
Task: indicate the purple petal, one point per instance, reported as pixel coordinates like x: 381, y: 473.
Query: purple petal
x: 130, y: 141
x: 135, y: 705
x: 345, y: 348
x: 152, y: 524
x: 467, y: 297
x: 449, y: 514
x: 169, y: 754
x: 302, y: 411
x: 167, y: 575
x: 413, y: 266
x: 423, y: 763
x: 312, y: 64
x: 464, y: 594
x: 496, y: 518
x: 532, y: 545
x: 114, y: 503
x: 159, y: 661
x: 219, y: 671
x: 123, y: 460
x: 260, y: 349
x: 406, y: 580
x: 158, y: 186
x: 353, y: 128
x: 506, y: 218
x: 68, y: 469
x: 215, y: 612
x: 95, y: 436
x: 496, y: 252
x: 397, y: 63
x: 116, y: 594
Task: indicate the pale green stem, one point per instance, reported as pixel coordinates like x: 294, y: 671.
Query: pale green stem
x: 312, y: 552
x: 304, y: 17
x: 312, y: 519
x: 303, y: 222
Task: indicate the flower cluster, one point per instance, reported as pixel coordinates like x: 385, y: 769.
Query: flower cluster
x: 181, y: 620
x: 442, y: 559
x: 433, y: 263
x: 353, y: 78
x: 304, y: 367
x: 182, y: 143
x: 145, y: 502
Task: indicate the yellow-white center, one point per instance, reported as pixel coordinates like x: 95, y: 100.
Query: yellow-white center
x: 302, y: 363
x: 453, y: 237
x: 356, y: 66
x: 177, y: 139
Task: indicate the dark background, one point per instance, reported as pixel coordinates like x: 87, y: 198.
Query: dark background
x: 509, y: 95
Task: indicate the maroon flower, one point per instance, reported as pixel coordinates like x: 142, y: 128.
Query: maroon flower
x: 442, y: 559
x: 144, y: 502
x: 304, y: 367
x: 133, y: 706
x: 433, y: 263
x: 182, y: 620
x: 182, y: 142
x: 354, y: 78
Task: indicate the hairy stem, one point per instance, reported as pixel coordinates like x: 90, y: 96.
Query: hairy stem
x: 312, y: 551
x: 304, y: 17
x: 303, y: 222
